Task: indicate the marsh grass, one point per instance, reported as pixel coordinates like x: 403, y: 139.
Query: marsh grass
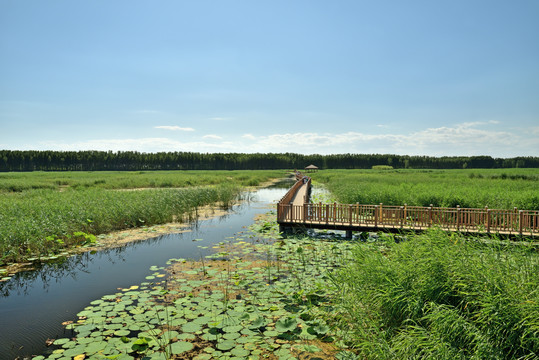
x: 442, y: 296
x: 41, y: 222
x: 17, y: 182
x: 41, y: 211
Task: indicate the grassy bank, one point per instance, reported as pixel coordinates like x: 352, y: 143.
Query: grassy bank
x: 41, y: 214
x: 497, y: 189
x: 441, y: 296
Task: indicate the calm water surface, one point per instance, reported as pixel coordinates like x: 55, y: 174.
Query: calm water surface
x: 33, y: 304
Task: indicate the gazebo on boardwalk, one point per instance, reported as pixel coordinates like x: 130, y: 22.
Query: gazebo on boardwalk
x: 311, y: 168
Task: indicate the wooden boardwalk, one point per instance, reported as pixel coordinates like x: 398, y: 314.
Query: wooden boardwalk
x: 295, y: 211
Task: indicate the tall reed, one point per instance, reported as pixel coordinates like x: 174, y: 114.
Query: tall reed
x: 441, y: 296
x: 39, y: 222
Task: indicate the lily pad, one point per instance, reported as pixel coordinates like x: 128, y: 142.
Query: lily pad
x: 226, y: 345
x: 191, y: 327
x: 180, y: 347
x: 285, y: 324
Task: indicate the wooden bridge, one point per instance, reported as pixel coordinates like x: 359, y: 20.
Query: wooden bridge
x: 295, y: 211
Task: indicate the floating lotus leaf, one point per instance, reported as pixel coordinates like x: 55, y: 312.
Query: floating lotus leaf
x: 137, y: 310
x: 271, y: 333
x: 226, y: 345
x: 85, y: 340
x: 186, y: 336
x: 239, y: 351
x: 95, y: 347
x: 202, y: 320
x: 113, y: 326
x: 180, y: 347
x: 69, y: 344
x: 79, y: 349
x: 231, y: 335
x: 319, y: 329
x: 232, y: 328
x: 61, y: 341
x: 191, y: 327
x: 178, y: 322
x: 122, y: 332
x: 257, y: 323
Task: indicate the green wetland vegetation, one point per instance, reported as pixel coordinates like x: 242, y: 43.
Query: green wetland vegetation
x: 434, y: 295
x: 42, y: 213
x: 430, y: 296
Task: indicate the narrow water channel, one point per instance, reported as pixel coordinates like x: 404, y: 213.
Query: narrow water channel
x: 34, y: 304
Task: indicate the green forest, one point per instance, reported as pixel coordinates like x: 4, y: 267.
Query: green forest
x: 32, y: 160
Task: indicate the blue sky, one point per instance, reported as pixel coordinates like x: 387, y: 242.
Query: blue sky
x: 439, y: 78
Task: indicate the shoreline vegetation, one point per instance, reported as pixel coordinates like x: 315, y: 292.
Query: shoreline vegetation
x: 434, y: 295
x: 52, y: 213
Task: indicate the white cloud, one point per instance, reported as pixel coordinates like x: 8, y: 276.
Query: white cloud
x: 219, y: 118
x: 210, y: 136
x: 460, y: 139
x: 175, y: 128
x: 248, y: 136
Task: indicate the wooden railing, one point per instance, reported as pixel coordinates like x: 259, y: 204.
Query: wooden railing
x: 523, y: 222
x: 287, y: 198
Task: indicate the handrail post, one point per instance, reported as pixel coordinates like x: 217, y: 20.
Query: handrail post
x: 486, y: 212
x: 327, y: 213
x: 350, y: 213
x: 520, y: 220
x: 304, y: 212
x: 375, y: 216
x: 488, y: 221
x: 430, y: 215
x: 402, y: 215
x: 334, y: 212
x: 513, y: 218
x: 458, y: 217
x: 381, y: 214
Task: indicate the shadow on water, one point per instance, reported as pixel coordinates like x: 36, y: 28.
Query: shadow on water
x: 33, y: 304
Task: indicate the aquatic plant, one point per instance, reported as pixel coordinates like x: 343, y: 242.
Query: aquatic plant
x: 237, y: 303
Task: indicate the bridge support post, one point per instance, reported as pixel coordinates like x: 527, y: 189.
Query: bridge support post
x: 348, y: 234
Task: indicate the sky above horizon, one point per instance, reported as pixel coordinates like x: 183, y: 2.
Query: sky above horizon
x: 437, y: 78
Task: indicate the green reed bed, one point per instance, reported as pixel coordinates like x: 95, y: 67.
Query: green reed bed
x: 43, y: 213
x: 16, y: 182
x: 44, y: 222
x: 477, y: 188
x: 442, y: 296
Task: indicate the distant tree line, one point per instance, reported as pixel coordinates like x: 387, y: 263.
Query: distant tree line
x: 132, y: 160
